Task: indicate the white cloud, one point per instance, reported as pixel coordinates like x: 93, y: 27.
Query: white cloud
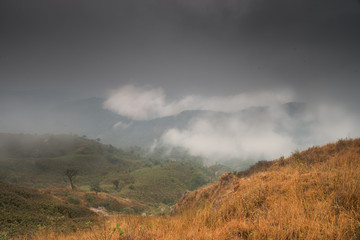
x: 144, y: 104
x: 121, y: 124
x: 239, y: 131
x: 265, y: 134
x: 229, y: 137
x: 139, y: 104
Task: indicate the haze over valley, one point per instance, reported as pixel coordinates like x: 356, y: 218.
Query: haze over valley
x: 179, y: 119
x: 248, y: 126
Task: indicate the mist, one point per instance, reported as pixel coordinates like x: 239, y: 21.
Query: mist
x: 141, y: 103
x: 220, y: 78
x: 251, y: 126
x: 268, y: 137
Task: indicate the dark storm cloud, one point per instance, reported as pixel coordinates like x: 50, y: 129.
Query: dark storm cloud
x: 244, y: 43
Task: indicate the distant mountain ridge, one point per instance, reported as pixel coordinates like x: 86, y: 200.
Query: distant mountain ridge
x: 35, y: 114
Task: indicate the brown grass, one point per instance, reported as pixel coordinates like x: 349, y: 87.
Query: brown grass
x: 314, y: 194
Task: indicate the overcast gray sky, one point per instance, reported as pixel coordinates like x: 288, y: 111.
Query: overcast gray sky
x: 206, y: 47
x: 154, y: 58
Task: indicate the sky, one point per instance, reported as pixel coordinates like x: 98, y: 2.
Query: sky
x: 155, y: 58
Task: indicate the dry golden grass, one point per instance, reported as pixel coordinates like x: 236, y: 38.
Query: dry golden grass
x: 314, y: 194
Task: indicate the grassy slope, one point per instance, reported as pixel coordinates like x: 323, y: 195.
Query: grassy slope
x: 40, y: 160
x: 26, y: 210
x: 161, y: 183
x: 90, y: 199
x: 314, y: 194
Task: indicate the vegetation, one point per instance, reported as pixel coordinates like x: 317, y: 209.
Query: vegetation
x: 313, y: 194
x: 95, y: 187
x: 48, y: 161
x: 71, y: 174
x: 116, y: 183
x: 25, y: 211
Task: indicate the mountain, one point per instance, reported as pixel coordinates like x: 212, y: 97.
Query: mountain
x: 313, y: 194
x: 53, y: 113
x: 86, y: 117
x: 144, y: 133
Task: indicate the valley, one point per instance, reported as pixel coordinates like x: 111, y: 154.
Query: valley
x: 313, y: 194
x: 103, y: 177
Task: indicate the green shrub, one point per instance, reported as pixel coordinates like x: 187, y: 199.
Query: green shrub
x: 4, y: 236
x: 198, y: 179
x: 73, y: 200
x: 95, y: 186
x: 89, y: 198
x: 128, y: 210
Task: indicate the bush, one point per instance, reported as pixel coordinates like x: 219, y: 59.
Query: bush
x: 95, y: 186
x: 4, y: 236
x: 128, y: 210
x: 89, y: 198
x: 112, y: 159
x: 75, y: 201
x: 198, y: 179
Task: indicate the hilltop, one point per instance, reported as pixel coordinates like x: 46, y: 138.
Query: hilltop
x: 24, y: 156
x: 313, y: 194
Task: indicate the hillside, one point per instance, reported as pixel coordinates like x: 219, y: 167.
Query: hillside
x: 40, y: 161
x: 26, y: 211
x: 313, y: 194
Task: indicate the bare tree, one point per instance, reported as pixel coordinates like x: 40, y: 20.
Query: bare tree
x: 71, y: 173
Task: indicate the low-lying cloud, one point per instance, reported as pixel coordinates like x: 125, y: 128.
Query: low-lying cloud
x: 122, y: 125
x: 256, y: 126
x: 150, y: 103
x: 230, y: 137
x: 260, y: 133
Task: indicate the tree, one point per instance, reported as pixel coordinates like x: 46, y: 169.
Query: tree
x: 116, y: 184
x: 95, y: 186
x: 71, y: 174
